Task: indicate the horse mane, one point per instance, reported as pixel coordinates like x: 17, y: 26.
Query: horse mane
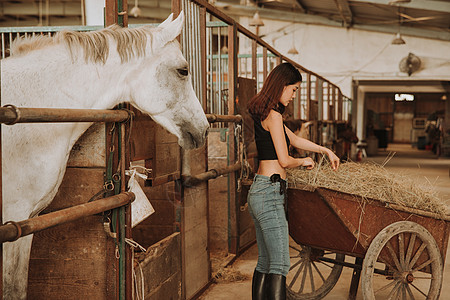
x: 95, y: 44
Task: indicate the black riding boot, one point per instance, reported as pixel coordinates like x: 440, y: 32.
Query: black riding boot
x: 258, y: 285
x: 276, y: 287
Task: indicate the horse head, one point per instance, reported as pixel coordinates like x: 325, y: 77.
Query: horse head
x: 164, y: 78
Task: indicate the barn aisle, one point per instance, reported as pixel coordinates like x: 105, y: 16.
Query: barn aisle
x: 407, y: 160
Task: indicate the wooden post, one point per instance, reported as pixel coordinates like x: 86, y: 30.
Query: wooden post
x: 264, y: 64
x: 1, y: 193
x: 232, y: 82
x: 308, y: 97
x: 254, y: 62
x: 176, y: 7
x: 110, y: 12
x: 203, y: 55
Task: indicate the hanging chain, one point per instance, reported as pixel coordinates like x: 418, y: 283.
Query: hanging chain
x: 246, y: 169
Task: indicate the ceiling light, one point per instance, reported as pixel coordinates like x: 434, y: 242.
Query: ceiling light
x: 135, y: 11
x: 293, y: 51
x: 398, y: 40
x: 256, y: 20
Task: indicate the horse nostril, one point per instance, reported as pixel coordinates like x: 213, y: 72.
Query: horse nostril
x: 193, y: 139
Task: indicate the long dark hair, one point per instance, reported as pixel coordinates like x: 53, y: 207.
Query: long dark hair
x: 268, y: 98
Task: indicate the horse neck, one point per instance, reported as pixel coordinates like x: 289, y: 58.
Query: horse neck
x: 49, y: 78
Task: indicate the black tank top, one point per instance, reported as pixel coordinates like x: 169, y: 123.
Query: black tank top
x: 264, y: 142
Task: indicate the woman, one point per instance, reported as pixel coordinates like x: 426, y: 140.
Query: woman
x: 266, y: 197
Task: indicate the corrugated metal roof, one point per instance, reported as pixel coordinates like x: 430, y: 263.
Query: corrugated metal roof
x: 426, y: 18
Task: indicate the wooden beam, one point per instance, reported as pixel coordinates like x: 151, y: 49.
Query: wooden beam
x: 345, y: 12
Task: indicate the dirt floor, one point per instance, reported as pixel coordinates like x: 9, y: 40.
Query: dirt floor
x: 235, y: 280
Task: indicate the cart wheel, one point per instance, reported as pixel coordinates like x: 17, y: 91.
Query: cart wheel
x: 416, y: 271
x: 310, y: 277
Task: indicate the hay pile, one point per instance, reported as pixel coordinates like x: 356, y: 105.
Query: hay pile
x: 370, y: 180
x: 229, y: 274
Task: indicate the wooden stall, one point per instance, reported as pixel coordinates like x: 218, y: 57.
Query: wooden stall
x: 195, y: 226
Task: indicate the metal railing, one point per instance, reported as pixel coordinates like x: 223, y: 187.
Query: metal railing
x: 225, y: 50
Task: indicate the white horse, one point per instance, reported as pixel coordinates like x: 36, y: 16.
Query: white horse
x: 95, y: 70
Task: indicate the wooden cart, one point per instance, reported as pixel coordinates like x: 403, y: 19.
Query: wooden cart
x: 399, y: 252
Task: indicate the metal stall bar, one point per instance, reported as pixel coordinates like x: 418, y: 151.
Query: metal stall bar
x: 212, y: 118
x: 11, y: 231
x: 211, y: 174
x: 11, y: 115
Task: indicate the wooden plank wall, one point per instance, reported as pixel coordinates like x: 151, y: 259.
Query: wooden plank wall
x: 218, y: 193
x: 194, y: 228
x: 161, y: 223
x: 161, y: 268
x: 72, y: 259
x: 155, y: 148
x: 246, y: 230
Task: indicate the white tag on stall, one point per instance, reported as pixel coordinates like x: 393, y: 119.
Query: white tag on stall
x: 141, y: 208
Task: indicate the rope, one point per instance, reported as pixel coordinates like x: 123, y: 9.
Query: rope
x: 135, y: 244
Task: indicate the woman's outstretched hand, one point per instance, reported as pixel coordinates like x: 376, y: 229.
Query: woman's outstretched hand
x: 334, y: 160
x: 307, y: 162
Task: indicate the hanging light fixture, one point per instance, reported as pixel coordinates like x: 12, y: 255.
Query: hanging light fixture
x: 398, y: 40
x: 293, y: 51
x: 256, y: 20
x: 135, y: 11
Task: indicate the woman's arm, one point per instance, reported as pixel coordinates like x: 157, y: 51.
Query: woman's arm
x: 304, y: 144
x: 274, y: 124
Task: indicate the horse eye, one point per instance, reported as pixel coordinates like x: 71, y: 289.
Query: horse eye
x: 183, y: 71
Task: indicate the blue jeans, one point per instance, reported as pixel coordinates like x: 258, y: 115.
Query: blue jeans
x: 266, y: 206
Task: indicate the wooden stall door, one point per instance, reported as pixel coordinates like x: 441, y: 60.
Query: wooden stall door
x: 194, y: 229
x: 155, y: 148
x: 218, y: 194
x: 246, y: 229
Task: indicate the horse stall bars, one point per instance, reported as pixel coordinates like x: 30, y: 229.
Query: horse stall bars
x: 10, y: 115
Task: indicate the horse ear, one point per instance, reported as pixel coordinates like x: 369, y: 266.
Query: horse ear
x: 167, y: 21
x: 170, y: 30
